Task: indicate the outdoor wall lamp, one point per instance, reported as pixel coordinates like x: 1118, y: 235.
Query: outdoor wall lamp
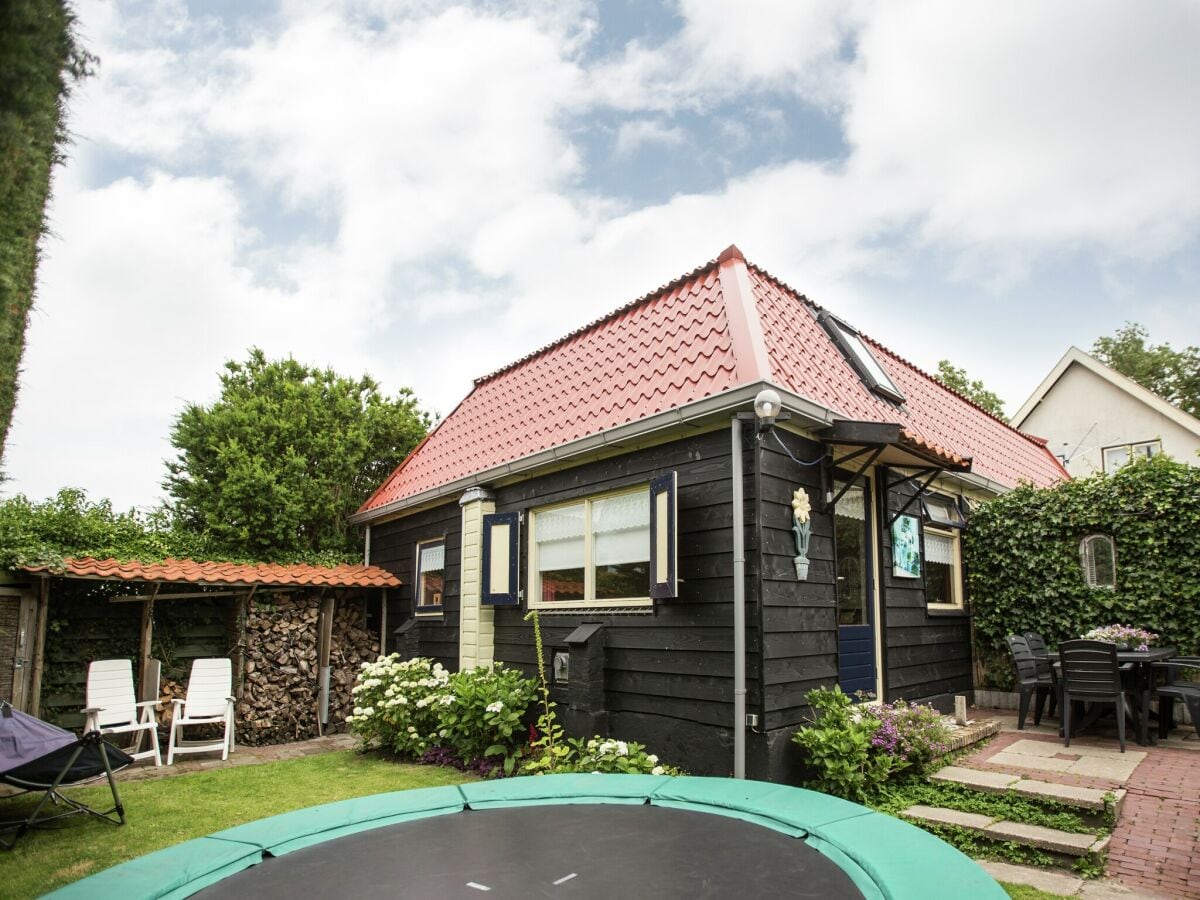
x: 767, y: 406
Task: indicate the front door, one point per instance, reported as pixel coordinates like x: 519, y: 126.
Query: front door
x: 855, y: 590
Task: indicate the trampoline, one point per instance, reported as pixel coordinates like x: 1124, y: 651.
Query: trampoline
x: 562, y: 836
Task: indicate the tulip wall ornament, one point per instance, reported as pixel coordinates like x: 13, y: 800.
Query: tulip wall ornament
x: 802, y: 529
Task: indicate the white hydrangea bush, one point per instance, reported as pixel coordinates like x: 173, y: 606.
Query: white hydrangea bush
x: 609, y: 755
x: 397, y: 703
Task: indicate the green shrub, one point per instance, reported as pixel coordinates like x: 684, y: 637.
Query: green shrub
x: 839, y: 749
x: 485, y: 718
x: 1021, y: 553
x: 913, y: 734
x: 397, y: 704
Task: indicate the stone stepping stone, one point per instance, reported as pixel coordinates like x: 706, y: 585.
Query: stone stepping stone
x: 1063, y: 842
x: 1000, y: 782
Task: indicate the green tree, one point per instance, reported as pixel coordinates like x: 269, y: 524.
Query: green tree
x: 956, y: 379
x: 1172, y: 374
x: 39, y: 58
x: 275, y: 466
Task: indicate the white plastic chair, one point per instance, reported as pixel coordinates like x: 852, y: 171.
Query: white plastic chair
x: 112, y: 706
x: 209, y: 701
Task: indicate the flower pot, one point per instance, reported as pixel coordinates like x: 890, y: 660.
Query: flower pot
x: 801, y: 564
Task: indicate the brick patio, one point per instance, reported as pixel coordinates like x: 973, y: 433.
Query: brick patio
x: 1155, y: 847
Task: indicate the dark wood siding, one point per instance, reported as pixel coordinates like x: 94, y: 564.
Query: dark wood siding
x: 926, y: 657
x: 674, y: 662
x: 394, y: 547
x: 799, y: 618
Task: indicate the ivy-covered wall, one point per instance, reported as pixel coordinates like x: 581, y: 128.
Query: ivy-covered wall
x: 1024, y: 573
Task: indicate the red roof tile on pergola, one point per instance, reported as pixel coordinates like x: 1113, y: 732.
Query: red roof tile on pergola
x: 724, y: 325
x: 223, y: 574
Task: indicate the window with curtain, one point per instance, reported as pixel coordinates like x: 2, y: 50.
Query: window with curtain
x: 592, y: 552
x: 430, y: 580
x: 943, y: 569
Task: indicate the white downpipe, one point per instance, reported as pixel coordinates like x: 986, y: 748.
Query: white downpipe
x: 739, y: 607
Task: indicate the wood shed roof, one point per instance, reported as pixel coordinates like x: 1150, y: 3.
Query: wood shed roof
x: 222, y: 574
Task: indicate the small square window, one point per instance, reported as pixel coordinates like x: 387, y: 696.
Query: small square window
x: 430, y: 581
x: 943, y: 511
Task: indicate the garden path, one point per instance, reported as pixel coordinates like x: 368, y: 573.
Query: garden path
x: 1155, y: 846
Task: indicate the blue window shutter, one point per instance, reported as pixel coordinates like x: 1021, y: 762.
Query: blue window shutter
x: 501, y: 549
x: 663, y: 538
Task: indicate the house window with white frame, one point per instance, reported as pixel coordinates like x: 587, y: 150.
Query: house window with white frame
x: 943, y: 569
x: 592, y: 552
x: 431, y: 576
x: 943, y: 552
x: 1121, y: 454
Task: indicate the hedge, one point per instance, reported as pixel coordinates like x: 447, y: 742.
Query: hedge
x: 38, y: 58
x: 1022, y: 557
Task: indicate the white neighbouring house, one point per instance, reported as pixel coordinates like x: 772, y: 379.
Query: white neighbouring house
x: 1095, y: 419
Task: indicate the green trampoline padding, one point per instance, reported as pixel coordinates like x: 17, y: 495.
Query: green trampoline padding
x: 173, y: 872
x: 282, y: 834
x: 885, y: 857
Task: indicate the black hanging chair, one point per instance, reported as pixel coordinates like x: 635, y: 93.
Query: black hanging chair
x: 36, y: 756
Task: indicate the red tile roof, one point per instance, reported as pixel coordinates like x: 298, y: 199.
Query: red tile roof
x: 805, y: 360
x: 711, y: 330
x: 189, y: 571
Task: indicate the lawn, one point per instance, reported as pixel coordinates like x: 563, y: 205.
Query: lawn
x: 166, y: 811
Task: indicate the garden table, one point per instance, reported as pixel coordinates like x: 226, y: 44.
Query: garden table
x: 1143, y: 678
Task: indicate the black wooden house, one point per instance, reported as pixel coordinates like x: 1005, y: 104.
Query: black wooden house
x: 604, y: 481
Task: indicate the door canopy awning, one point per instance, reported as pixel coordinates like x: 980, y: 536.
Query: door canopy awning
x: 897, y: 446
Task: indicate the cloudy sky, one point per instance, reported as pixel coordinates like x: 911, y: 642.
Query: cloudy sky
x: 426, y: 190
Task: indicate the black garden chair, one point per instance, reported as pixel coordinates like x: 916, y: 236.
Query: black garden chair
x: 1045, y: 665
x: 1173, y: 689
x: 1032, y: 681
x: 1090, y: 674
x: 37, y: 757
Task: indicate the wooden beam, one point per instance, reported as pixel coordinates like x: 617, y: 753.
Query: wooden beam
x: 155, y: 595
x: 383, y: 621
x: 39, y: 646
x: 146, y: 639
x: 325, y: 635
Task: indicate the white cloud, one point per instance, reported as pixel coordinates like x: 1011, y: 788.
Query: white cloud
x: 728, y: 47
x: 1036, y: 125
x: 423, y: 155
x: 633, y: 135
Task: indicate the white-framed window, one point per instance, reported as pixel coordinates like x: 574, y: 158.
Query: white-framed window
x: 943, y: 568
x: 1120, y: 454
x: 431, y: 576
x: 591, y: 552
x: 1098, y: 557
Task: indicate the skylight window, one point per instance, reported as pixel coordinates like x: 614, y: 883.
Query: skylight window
x: 855, y: 349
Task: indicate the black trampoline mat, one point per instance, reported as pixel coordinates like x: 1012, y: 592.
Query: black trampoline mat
x: 566, y: 851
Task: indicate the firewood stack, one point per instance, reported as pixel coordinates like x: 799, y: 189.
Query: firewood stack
x: 279, y: 701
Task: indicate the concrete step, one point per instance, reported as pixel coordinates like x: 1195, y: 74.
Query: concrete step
x: 1081, y: 798
x: 1065, y: 843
